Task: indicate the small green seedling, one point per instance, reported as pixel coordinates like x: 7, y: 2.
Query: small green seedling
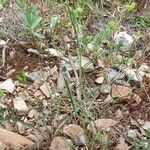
x: 21, y: 77
x: 1, y: 94
x: 31, y: 19
x: 130, y: 6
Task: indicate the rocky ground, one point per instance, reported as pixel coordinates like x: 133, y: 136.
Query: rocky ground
x: 52, y: 98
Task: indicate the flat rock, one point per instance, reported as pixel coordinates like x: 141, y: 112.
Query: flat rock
x: 122, y: 146
x: 59, y: 143
x: 54, y: 52
x: 33, y: 113
x: 102, y: 124
x: 120, y: 91
x: 13, y: 139
x: 75, y: 132
x: 114, y: 74
x: 39, y: 75
x: 20, y: 105
x: 21, y: 127
x: 45, y: 88
x: 100, y: 80
x: 72, y: 130
x: 8, y: 86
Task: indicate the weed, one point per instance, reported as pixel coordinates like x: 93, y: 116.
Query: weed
x: 21, y: 77
x: 140, y: 21
x: 130, y: 6
x: 30, y: 19
x: 2, y: 3
x: 1, y: 94
x: 142, y: 143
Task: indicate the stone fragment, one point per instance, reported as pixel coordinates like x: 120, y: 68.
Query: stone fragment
x: 13, y: 139
x: 20, y: 105
x: 59, y: 143
x: 45, y: 88
x: 75, y: 132
x: 8, y: 86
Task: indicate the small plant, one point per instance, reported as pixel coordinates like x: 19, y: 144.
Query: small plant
x: 143, y: 144
x: 21, y: 77
x: 2, y: 3
x: 140, y: 21
x: 130, y: 6
x: 31, y: 19
x: 1, y: 94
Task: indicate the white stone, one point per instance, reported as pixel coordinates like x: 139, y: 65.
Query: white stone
x: 125, y: 39
x: 114, y: 74
x: 134, y: 74
x: 8, y: 86
x: 20, y: 105
x: 90, y: 46
x: 131, y: 134
x: 2, y: 43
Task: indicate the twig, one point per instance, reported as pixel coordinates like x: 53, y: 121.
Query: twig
x: 3, y: 55
x: 77, y: 79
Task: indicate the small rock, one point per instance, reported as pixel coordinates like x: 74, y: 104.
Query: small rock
x: 90, y: 47
x: 125, y: 39
x: 39, y: 75
x: 142, y: 131
x: 141, y: 121
x: 45, y: 88
x: 120, y: 91
x: 2, y: 43
x: 146, y: 125
x: 63, y: 75
x: 75, y: 132
x: 20, y: 105
x: 100, y: 80
x: 131, y: 134
x: 102, y: 124
x: 86, y: 63
x: 66, y: 39
x: 37, y: 93
x: 108, y: 99
x: 33, y: 113
x: 105, y: 88
x: 59, y: 143
x: 10, y: 72
x: 122, y: 146
x: 100, y: 63
x: 114, y: 74
x: 8, y: 86
x: 72, y: 130
x: 133, y: 122
x: 119, y: 114
x: 13, y: 139
x: 34, y: 51
x: 54, y: 52
x: 133, y: 74
x: 80, y: 140
x: 21, y: 127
